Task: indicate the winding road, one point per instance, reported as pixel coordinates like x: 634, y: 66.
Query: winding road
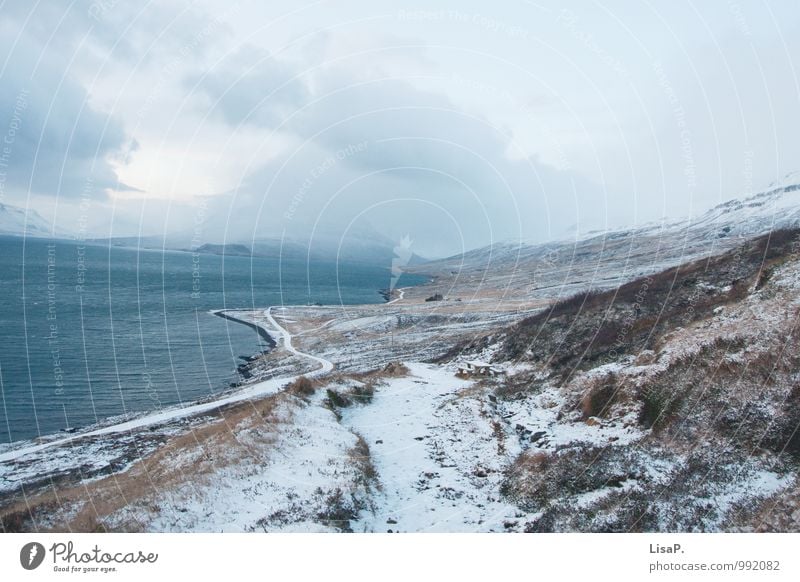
x: 401, y: 294
x: 325, y: 365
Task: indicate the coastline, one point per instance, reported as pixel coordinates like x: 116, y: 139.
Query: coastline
x: 263, y: 333
x: 138, y: 419
x: 165, y: 417
x: 119, y: 443
x: 245, y: 369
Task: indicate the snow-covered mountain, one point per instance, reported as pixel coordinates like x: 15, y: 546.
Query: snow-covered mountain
x: 758, y: 214
x: 605, y: 260
x: 21, y: 221
x: 739, y: 218
x: 608, y: 258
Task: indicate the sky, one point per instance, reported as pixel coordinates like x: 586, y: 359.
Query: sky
x: 457, y: 125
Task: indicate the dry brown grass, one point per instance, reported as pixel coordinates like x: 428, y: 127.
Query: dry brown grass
x: 361, y: 457
x: 188, y: 458
x: 302, y: 386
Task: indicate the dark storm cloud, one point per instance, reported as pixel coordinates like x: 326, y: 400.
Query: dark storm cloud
x: 57, y: 143
x: 403, y: 159
x: 62, y: 144
x: 250, y: 86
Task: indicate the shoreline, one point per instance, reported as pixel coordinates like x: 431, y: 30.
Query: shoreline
x: 273, y: 335
x: 245, y: 369
x: 263, y: 333
x: 166, y: 416
x: 139, y: 419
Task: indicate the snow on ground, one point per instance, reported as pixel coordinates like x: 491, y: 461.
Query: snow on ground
x: 440, y: 445
x: 540, y: 421
x: 257, y: 390
x: 436, y: 453
x: 286, y: 485
x: 373, y: 323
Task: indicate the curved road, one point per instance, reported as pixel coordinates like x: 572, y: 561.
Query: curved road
x: 401, y: 293
x: 325, y: 365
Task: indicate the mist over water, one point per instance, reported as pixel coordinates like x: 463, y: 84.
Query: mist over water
x: 90, y: 332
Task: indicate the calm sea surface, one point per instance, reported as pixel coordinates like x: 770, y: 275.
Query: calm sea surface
x: 88, y: 332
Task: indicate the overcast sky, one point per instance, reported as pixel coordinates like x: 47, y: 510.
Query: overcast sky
x: 459, y: 126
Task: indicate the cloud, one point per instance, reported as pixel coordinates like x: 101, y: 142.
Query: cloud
x: 57, y: 143
x: 382, y: 153
x: 128, y: 31
x: 250, y: 86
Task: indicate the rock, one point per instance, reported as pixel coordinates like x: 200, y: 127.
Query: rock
x: 535, y: 437
x: 391, y: 521
x: 379, y: 442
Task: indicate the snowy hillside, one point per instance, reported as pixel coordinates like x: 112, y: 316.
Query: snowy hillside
x: 604, y: 260
x: 746, y: 217
x: 645, y: 382
x: 19, y: 221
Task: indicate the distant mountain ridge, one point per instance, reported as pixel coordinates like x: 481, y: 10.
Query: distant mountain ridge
x: 358, y: 248
x: 735, y: 219
x: 23, y: 222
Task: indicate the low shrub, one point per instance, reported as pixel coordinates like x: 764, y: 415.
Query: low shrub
x: 338, y: 511
x: 659, y: 406
x: 363, y: 393
x: 337, y: 399
x: 598, y: 400
x: 302, y: 386
x: 362, y: 458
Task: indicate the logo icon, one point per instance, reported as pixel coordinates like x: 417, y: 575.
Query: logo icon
x: 31, y: 555
x: 402, y: 256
